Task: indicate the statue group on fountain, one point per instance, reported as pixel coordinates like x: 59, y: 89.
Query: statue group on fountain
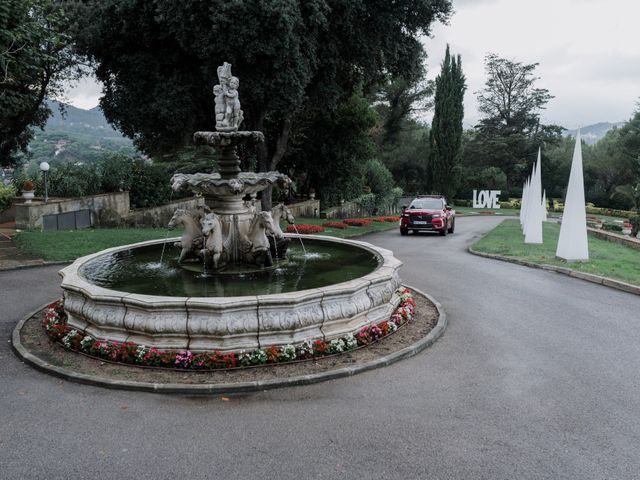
x: 202, y: 240
x: 229, y: 116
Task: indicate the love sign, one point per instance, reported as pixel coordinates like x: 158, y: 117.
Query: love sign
x: 486, y: 199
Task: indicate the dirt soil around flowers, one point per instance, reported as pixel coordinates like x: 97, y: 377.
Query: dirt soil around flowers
x: 35, y: 340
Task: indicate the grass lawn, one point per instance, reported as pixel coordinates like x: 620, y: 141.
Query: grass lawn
x: 605, y: 258
x: 69, y: 245
x: 61, y: 245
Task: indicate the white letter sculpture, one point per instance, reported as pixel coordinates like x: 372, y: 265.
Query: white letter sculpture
x: 573, y: 244
x: 486, y: 199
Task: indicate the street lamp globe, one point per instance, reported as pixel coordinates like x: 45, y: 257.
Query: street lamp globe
x: 44, y: 166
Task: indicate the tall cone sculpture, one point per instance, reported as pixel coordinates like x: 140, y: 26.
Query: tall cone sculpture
x: 544, y: 206
x: 533, y: 229
x: 523, y: 203
x: 573, y: 244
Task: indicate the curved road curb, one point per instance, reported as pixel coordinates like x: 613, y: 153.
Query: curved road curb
x: 226, y: 388
x: 589, y: 277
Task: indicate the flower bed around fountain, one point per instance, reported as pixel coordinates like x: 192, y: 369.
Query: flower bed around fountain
x: 57, y: 328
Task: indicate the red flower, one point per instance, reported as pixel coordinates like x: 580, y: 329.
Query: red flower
x: 340, y: 225
x: 357, y: 222
x: 305, y: 229
x: 319, y: 347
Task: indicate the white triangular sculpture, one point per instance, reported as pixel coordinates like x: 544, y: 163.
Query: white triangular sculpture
x: 523, y: 203
x: 544, y: 206
x: 572, y: 243
x: 527, y: 204
x: 533, y: 230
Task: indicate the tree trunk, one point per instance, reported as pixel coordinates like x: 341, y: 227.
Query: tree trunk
x: 265, y: 164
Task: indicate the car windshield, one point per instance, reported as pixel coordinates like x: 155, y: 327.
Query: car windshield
x: 426, y: 204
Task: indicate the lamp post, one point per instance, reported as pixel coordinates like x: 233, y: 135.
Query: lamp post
x: 44, y: 166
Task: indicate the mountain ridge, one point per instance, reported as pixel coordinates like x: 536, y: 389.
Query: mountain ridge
x: 592, y: 134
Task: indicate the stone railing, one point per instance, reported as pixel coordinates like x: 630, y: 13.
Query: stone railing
x: 158, y: 217
x: 308, y: 208
x: 106, y: 210
x: 353, y: 209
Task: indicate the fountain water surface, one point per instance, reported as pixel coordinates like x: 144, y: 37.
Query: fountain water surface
x: 235, y: 283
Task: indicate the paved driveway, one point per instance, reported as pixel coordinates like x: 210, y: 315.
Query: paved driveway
x: 537, y: 376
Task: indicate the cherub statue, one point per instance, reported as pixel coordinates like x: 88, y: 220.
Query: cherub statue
x: 220, y: 106
x: 229, y: 116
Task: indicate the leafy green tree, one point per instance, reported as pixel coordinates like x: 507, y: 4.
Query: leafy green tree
x: 509, y: 134
x: 332, y: 150
x: 445, y: 137
x: 35, y: 58
x: 629, y: 141
x: 158, y: 60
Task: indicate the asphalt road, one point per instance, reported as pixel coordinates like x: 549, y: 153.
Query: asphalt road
x: 537, y: 376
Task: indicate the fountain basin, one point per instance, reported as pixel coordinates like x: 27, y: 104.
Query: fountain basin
x: 236, y: 322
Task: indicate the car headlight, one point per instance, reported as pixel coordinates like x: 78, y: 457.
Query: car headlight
x: 436, y: 215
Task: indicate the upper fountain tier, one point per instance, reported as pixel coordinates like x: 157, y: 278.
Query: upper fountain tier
x: 214, y: 185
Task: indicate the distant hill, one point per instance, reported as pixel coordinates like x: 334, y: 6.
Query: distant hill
x: 77, y: 136
x: 88, y: 122
x: 593, y: 133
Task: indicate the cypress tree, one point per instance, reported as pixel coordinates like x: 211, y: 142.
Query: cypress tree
x: 445, y: 137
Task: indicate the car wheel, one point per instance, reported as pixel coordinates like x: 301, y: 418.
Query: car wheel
x: 415, y: 232
x: 453, y: 226
x: 443, y: 232
x: 403, y: 231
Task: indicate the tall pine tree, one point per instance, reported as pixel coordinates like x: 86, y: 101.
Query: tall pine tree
x: 445, y: 137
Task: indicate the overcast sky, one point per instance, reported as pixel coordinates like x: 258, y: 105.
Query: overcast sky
x: 588, y: 51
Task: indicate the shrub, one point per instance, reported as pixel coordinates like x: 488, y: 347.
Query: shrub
x: 357, y: 222
x: 340, y: 225
x: 635, y: 225
x: 28, y: 186
x: 7, y: 193
x: 305, y: 229
x: 150, y: 185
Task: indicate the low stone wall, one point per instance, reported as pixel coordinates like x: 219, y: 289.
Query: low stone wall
x: 354, y: 210
x: 158, y: 217
x: 107, y: 209
x: 347, y: 210
x: 615, y: 238
x: 308, y: 208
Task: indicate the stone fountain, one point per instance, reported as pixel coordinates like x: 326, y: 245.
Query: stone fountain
x: 229, y: 232
x: 230, y: 246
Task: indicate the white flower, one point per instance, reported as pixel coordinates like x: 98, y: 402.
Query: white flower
x: 350, y: 341
x: 68, y: 339
x: 86, y: 342
x: 337, y: 345
x: 289, y: 352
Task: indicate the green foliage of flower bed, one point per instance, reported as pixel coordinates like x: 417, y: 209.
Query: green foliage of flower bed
x: 605, y: 258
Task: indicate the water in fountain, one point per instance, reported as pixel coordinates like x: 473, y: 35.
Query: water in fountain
x: 300, y: 238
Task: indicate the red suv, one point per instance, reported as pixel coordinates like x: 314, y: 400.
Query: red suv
x: 428, y: 213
